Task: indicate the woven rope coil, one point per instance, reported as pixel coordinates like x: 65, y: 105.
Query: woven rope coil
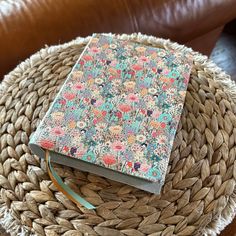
x: 197, y: 198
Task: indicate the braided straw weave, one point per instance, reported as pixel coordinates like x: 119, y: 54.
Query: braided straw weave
x: 197, y: 198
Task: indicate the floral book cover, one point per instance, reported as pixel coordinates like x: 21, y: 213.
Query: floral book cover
x: 117, y: 113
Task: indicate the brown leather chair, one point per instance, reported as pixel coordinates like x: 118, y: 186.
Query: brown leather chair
x: 26, y: 26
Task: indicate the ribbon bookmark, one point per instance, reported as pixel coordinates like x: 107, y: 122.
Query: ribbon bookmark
x: 61, y: 186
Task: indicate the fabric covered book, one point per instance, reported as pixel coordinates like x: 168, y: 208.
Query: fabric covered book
x: 117, y: 113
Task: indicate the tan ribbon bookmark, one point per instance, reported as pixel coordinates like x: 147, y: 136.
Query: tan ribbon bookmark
x: 61, y: 186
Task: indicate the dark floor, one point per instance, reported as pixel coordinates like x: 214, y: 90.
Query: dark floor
x: 224, y: 53
x: 2, y: 232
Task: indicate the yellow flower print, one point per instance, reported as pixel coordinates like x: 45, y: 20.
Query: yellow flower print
x: 72, y: 124
x: 112, y: 71
x: 77, y: 74
x: 131, y: 139
x: 94, y: 40
x: 57, y: 116
x: 154, y: 124
x: 90, y: 82
x: 143, y: 92
x: 140, y: 49
x: 164, y: 79
x: 115, y: 129
x: 182, y: 93
x: 105, y: 46
x: 129, y: 84
x: 154, y: 55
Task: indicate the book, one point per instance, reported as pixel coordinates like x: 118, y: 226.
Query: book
x: 117, y: 113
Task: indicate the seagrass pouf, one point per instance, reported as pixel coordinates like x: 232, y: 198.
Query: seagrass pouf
x: 198, y: 196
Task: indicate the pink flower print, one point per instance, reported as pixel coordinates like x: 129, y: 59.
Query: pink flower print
x: 111, y: 77
x: 165, y: 72
x: 144, y: 112
x: 95, y: 121
x: 164, y: 87
x: 81, y: 63
x: 47, y: 144
x: 137, y: 67
x: 86, y: 100
x: 163, y: 125
x: 186, y: 81
x: 118, y: 146
x: 154, y: 134
x: 132, y: 97
x: 129, y: 164
x: 132, y: 73
x: 58, y: 131
x: 154, y: 69
x: 81, y: 151
x: 79, y: 86
x: 66, y: 148
x: 119, y: 114
x: 62, y: 101
x: 98, y: 102
x: 130, y: 132
x: 172, y: 80
x: 144, y: 59
x: 104, y: 113
x: 87, y: 57
x: 156, y: 114
x: 124, y: 108
x: 144, y: 167
x: 94, y: 49
x: 109, y: 159
x: 69, y: 96
x: 113, y: 63
x: 162, y: 141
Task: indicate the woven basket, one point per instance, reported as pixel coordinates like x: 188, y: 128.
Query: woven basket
x: 197, y: 198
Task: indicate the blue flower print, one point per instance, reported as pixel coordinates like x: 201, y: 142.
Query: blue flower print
x: 164, y: 117
x: 107, y: 106
x: 89, y: 156
x: 154, y: 173
x: 155, y: 158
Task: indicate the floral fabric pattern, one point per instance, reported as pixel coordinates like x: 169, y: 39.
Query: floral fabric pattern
x: 119, y: 107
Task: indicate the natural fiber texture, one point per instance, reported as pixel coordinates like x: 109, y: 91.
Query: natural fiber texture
x: 197, y: 198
